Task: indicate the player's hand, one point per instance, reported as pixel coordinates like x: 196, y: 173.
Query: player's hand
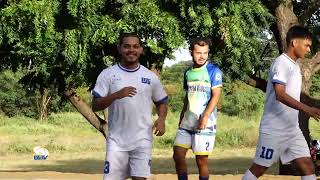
x: 159, y: 127
x: 203, y: 121
x: 314, y: 112
x: 127, y: 92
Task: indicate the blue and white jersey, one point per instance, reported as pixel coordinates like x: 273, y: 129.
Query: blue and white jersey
x: 130, y: 118
x: 278, y: 118
x: 199, y: 82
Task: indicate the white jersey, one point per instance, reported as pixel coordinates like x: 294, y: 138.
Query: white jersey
x: 278, y: 118
x: 130, y: 118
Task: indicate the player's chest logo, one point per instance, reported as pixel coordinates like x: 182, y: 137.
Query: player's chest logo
x: 146, y: 80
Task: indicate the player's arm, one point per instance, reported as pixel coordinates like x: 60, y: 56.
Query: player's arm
x: 184, y: 108
x: 159, y: 126
x: 215, y: 96
x: 283, y: 97
x: 101, y: 103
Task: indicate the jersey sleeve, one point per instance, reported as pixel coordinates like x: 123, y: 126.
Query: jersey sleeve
x: 216, y: 78
x: 101, y: 88
x: 159, y: 95
x: 279, y: 72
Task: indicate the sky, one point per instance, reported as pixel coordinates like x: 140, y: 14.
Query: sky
x: 181, y: 54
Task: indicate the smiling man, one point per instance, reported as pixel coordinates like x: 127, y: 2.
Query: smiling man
x: 129, y: 91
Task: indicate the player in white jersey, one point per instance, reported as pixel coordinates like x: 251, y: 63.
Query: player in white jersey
x: 129, y: 91
x: 280, y: 135
x: 197, y: 125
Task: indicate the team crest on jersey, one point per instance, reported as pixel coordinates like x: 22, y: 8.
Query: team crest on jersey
x: 146, y: 80
x: 218, y: 77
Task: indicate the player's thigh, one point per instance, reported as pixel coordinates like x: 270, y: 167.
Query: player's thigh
x: 203, y: 143
x: 116, y: 165
x: 183, y: 139
x: 140, y: 162
x: 268, y: 149
x: 298, y: 151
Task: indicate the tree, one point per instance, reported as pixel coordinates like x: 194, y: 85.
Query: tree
x: 65, y: 44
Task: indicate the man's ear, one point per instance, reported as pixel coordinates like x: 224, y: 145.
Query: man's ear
x: 294, y: 42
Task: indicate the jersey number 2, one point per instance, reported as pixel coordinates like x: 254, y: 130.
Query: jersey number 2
x: 266, y: 153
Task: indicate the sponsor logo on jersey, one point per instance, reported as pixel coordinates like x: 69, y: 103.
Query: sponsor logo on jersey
x: 146, y: 80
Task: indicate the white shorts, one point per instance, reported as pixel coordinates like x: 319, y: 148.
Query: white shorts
x: 120, y: 165
x: 202, y: 142
x: 271, y: 147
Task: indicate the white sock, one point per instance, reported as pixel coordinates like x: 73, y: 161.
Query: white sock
x: 249, y: 176
x: 309, y: 177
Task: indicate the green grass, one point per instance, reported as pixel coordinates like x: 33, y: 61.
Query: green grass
x: 66, y: 132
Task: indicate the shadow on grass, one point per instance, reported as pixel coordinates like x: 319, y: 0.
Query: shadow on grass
x: 236, y: 165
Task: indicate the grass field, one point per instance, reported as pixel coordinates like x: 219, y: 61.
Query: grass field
x: 76, y: 147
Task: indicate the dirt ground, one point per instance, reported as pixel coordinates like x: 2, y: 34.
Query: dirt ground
x: 48, y: 175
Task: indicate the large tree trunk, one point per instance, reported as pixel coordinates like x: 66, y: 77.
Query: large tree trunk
x: 42, y: 105
x: 98, y: 123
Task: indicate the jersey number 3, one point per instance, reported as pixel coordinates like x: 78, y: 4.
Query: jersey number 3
x: 266, y: 153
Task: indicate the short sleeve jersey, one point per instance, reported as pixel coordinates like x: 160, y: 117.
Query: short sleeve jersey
x: 199, y: 83
x: 278, y: 118
x: 130, y: 118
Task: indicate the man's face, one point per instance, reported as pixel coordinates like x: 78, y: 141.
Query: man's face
x: 301, y: 47
x: 200, y: 54
x: 130, y: 50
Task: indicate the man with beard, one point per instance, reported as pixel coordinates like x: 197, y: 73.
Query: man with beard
x: 129, y: 91
x: 197, y: 125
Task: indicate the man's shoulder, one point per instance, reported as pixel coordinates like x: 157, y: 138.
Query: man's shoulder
x: 212, y: 67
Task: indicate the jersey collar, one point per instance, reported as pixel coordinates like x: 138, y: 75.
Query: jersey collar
x: 128, y: 70
x: 289, y: 58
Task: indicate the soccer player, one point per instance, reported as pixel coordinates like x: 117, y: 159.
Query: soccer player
x: 279, y: 134
x: 197, y: 125
x: 129, y: 91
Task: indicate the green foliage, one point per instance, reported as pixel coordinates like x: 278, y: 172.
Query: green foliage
x: 14, y: 98
x: 172, y: 78
x: 242, y: 100
x: 315, y: 88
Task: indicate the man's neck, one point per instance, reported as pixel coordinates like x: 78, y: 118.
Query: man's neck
x: 129, y: 65
x: 291, y: 55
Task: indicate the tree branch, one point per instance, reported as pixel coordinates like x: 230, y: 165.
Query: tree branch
x: 312, y: 7
x: 98, y: 123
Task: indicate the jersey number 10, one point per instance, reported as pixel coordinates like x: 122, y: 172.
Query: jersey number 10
x: 266, y: 153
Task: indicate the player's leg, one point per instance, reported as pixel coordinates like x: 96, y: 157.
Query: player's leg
x: 267, y: 152
x: 299, y: 153
x: 181, y: 145
x: 140, y: 162
x: 116, y: 165
x: 202, y: 146
x: 202, y: 163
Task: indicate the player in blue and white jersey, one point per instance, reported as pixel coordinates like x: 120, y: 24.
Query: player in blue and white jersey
x: 197, y: 125
x: 129, y: 91
x: 280, y: 135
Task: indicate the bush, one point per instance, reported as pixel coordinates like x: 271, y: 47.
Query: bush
x: 14, y: 98
x: 243, y: 101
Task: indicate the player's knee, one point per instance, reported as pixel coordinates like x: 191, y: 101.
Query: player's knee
x: 177, y: 157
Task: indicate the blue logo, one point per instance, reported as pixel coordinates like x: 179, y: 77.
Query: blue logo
x: 107, y: 167
x: 146, y: 80
x: 40, y: 153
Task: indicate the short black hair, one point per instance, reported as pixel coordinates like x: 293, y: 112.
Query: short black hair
x: 201, y: 41
x: 298, y: 32
x: 130, y: 34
